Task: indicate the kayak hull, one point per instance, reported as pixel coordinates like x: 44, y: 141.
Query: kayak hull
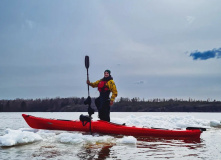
x: 104, y: 127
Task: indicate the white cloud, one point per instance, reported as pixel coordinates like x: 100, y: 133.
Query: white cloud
x: 190, y: 19
x: 29, y: 24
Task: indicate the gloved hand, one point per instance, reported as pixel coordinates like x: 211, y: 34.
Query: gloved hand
x: 88, y: 82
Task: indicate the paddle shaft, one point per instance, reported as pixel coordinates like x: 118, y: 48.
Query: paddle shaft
x: 88, y: 84
x: 87, y: 63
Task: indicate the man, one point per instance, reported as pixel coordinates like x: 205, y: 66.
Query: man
x: 103, y: 102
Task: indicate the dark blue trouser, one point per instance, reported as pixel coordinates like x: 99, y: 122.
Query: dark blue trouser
x: 103, y: 106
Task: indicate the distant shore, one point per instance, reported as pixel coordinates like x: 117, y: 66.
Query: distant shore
x: 75, y: 104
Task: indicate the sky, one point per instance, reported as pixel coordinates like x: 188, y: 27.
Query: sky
x: 154, y: 49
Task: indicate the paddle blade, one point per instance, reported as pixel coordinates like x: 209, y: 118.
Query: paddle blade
x: 88, y: 101
x: 87, y: 62
x: 90, y: 111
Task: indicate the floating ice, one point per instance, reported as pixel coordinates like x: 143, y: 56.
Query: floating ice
x: 70, y: 138
x: 215, y: 123
x: 16, y: 137
x: 127, y: 140
x: 77, y: 138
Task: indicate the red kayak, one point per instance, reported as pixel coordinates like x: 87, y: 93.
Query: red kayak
x: 104, y: 127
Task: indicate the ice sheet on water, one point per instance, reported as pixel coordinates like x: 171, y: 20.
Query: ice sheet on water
x: 26, y: 136
x: 163, y: 121
x: 89, y: 139
x: 77, y: 138
x: 16, y: 137
x: 127, y: 140
x: 215, y: 123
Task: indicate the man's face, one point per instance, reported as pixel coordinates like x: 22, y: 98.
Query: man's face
x: 106, y: 74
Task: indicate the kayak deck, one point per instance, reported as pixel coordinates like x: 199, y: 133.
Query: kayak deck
x: 104, y: 127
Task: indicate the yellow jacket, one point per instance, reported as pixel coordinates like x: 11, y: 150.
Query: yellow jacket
x: 110, y: 84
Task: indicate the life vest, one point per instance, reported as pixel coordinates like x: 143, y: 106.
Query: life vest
x: 102, y: 86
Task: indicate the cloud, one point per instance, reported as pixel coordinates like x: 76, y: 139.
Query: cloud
x: 215, y: 53
x: 29, y: 23
x: 190, y: 19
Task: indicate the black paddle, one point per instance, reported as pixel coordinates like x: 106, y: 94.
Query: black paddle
x: 88, y: 100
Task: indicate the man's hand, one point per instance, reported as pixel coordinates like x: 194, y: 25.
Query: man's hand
x: 111, y: 103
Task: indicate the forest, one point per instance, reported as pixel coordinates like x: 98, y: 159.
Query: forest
x: 76, y: 104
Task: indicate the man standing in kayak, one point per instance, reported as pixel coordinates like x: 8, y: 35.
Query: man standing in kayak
x: 103, y: 102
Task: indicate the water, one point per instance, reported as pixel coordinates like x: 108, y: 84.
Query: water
x: 18, y: 141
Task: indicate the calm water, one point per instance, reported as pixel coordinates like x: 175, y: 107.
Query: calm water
x: 26, y: 143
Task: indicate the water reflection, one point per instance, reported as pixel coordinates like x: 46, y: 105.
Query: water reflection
x: 190, y: 143
x: 98, y: 152
x: 146, y: 147
x: 104, y: 152
x: 166, y: 139
x: 170, y: 148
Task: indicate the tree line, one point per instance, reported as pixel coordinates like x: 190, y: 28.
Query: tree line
x: 76, y: 104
